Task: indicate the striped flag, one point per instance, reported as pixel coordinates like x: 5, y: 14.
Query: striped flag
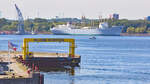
x: 12, y: 46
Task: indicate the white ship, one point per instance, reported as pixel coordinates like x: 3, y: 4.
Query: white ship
x: 103, y: 29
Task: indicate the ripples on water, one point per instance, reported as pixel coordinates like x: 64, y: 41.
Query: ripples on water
x: 106, y: 60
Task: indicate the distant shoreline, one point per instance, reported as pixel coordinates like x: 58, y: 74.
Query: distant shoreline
x: 49, y: 33
x: 138, y: 34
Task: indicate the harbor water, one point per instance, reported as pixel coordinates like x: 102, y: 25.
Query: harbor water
x: 104, y: 60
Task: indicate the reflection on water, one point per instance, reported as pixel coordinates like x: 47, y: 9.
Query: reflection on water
x: 70, y: 70
x: 66, y: 76
x: 72, y: 73
x: 105, y: 60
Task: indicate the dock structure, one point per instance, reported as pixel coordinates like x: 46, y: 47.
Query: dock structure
x: 23, y: 67
x: 26, y: 53
x: 12, y: 72
x: 34, y: 79
x: 49, y: 61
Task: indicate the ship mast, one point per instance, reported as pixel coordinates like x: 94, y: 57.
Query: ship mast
x: 100, y: 19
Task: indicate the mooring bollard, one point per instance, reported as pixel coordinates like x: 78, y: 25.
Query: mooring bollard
x: 41, y: 79
x: 36, y: 68
x: 32, y: 67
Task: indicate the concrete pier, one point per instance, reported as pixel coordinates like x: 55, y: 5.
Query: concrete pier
x: 13, y: 72
x: 47, y: 61
x: 35, y: 78
x: 19, y: 71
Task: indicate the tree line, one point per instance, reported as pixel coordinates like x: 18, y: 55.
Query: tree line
x: 41, y: 25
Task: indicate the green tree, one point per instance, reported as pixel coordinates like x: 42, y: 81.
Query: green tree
x: 130, y: 30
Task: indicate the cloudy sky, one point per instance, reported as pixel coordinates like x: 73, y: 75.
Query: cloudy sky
x: 129, y: 9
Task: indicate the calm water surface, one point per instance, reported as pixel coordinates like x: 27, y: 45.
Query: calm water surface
x: 106, y: 60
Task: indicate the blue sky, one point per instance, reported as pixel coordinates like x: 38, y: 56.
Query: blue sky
x: 129, y: 9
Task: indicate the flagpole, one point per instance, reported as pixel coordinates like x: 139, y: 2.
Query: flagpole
x: 13, y: 47
x: 9, y: 57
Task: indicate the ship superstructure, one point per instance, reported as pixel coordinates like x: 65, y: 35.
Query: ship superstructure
x: 103, y: 29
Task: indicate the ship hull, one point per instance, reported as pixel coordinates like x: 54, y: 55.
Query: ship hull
x: 113, y: 31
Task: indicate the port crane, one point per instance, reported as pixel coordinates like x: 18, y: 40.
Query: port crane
x: 21, y: 30
x: 27, y: 54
